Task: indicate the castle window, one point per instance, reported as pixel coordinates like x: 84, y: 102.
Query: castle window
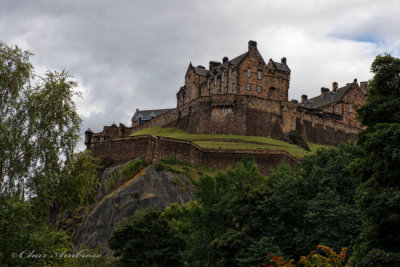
x: 351, y: 107
x: 223, y: 76
x: 336, y: 109
x: 208, y: 84
x: 215, y: 81
x: 248, y: 73
x: 259, y: 75
x: 248, y: 87
x: 259, y: 89
x: 218, y: 91
x: 233, y: 86
x: 230, y: 73
x: 226, y: 90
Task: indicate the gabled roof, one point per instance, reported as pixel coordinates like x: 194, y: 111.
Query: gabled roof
x: 147, y: 114
x: 281, y: 66
x: 200, y: 71
x: 329, y: 97
x: 229, y: 64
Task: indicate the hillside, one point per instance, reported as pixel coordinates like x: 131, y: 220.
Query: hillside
x: 224, y: 141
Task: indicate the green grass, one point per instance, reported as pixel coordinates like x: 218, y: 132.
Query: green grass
x: 178, y: 166
x: 225, y: 141
x: 124, y: 174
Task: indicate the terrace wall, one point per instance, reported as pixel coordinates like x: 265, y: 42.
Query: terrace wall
x: 123, y: 149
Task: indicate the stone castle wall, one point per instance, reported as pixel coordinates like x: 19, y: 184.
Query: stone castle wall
x: 231, y: 114
x: 255, y: 116
x: 123, y: 149
x: 223, y: 114
x: 319, y: 127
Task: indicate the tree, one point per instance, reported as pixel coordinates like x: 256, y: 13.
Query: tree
x: 378, y: 167
x: 147, y: 240
x: 226, y: 223
x: 313, y: 204
x: 39, y: 125
x: 21, y: 231
x: 39, y: 172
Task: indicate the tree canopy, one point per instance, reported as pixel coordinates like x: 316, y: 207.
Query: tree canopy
x: 378, y: 167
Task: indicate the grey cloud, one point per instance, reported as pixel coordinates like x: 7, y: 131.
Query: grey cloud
x: 129, y: 54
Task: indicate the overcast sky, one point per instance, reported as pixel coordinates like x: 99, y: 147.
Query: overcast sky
x: 134, y: 54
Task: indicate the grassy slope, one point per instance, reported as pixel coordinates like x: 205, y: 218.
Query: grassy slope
x: 223, y: 141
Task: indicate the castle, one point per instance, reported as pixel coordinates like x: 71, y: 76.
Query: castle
x: 246, y: 96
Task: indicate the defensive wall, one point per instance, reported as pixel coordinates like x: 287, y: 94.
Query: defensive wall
x: 246, y: 115
x: 123, y: 149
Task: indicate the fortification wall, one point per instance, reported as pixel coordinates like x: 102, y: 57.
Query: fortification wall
x: 121, y: 150
x: 322, y: 129
x: 231, y: 114
x: 245, y: 115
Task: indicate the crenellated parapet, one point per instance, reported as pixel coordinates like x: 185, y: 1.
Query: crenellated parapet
x: 108, y: 133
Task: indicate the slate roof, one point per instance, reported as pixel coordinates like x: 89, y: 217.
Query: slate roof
x: 281, y: 66
x: 200, y: 71
x: 147, y: 114
x: 329, y: 97
x: 232, y: 64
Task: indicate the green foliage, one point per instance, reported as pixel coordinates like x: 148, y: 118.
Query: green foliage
x: 147, y: 240
x: 39, y: 129
x: 176, y: 161
x: 223, y: 224
x: 39, y: 126
x: 184, y: 167
x: 313, y: 204
x: 124, y: 174
x: 241, y: 217
x: 78, y: 184
x: 22, y: 231
x: 378, y: 168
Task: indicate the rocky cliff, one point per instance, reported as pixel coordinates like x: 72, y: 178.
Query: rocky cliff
x: 147, y: 188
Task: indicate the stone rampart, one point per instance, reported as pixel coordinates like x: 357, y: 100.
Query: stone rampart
x: 123, y: 149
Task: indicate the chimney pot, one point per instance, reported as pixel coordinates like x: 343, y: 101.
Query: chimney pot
x: 355, y: 80
x: 283, y: 60
x: 224, y: 60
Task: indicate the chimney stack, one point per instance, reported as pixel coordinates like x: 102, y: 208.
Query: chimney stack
x: 364, y: 87
x: 213, y: 64
x: 324, y: 90
x: 252, y: 45
x: 224, y: 60
x: 334, y: 86
x: 303, y: 99
x: 201, y: 67
x: 283, y: 60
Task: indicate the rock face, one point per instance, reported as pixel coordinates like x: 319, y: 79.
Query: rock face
x: 149, y: 188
